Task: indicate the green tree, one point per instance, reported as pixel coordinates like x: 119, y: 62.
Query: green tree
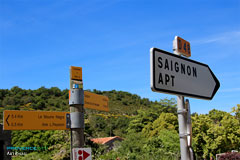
x: 16, y: 90
x: 201, y: 124
x: 55, y: 91
x: 217, y: 132
x: 167, y: 121
x: 236, y: 111
x: 143, y: 118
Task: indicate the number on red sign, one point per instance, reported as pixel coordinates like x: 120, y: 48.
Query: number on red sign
x: 185, y: 47
x: 179, y: 44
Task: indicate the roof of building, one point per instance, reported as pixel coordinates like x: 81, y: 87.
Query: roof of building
x: 104, y: 140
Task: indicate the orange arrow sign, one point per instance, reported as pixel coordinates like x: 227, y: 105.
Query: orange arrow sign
x: 95, y: 101
x: 34, y: 120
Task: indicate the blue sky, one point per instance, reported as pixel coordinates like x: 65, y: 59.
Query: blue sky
x: 110, y: 40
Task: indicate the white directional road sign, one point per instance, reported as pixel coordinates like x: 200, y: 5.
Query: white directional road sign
x: 177, y: 75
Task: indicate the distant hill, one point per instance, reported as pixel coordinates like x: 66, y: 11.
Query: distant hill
x: 149, y: 129
x: 54, y: 99
x: 123, y: 106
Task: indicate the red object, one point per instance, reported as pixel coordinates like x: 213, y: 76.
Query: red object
x: 80, y: 152
x: 85, y: 155
x: 105, y: 139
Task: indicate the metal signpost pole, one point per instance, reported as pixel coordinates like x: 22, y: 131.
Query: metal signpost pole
x: 189, y: 130
x: 76, y: 102
x: 182, y: 122
x: 77, y: 133
x: 174, y: 74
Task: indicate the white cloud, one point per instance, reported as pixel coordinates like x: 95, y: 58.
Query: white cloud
x: 230, y: 90
x: 227, y: 37
x: 229, y: 75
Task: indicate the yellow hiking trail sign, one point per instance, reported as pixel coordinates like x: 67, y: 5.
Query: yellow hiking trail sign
x: 34, y: 120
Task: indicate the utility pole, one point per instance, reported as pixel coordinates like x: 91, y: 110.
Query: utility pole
x: 76, y: 102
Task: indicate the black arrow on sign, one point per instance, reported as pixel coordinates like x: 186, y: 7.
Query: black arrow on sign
x: 7, y: 119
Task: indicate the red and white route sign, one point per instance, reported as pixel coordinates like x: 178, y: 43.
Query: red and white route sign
x: 82, y: 154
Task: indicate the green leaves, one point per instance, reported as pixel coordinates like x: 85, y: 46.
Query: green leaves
x: 152, y: 134
x: 216, y: 132
x: 149, y: 129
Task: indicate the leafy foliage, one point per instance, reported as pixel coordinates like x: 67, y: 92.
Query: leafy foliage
x: 217, y: 132
x: 149, y: 129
